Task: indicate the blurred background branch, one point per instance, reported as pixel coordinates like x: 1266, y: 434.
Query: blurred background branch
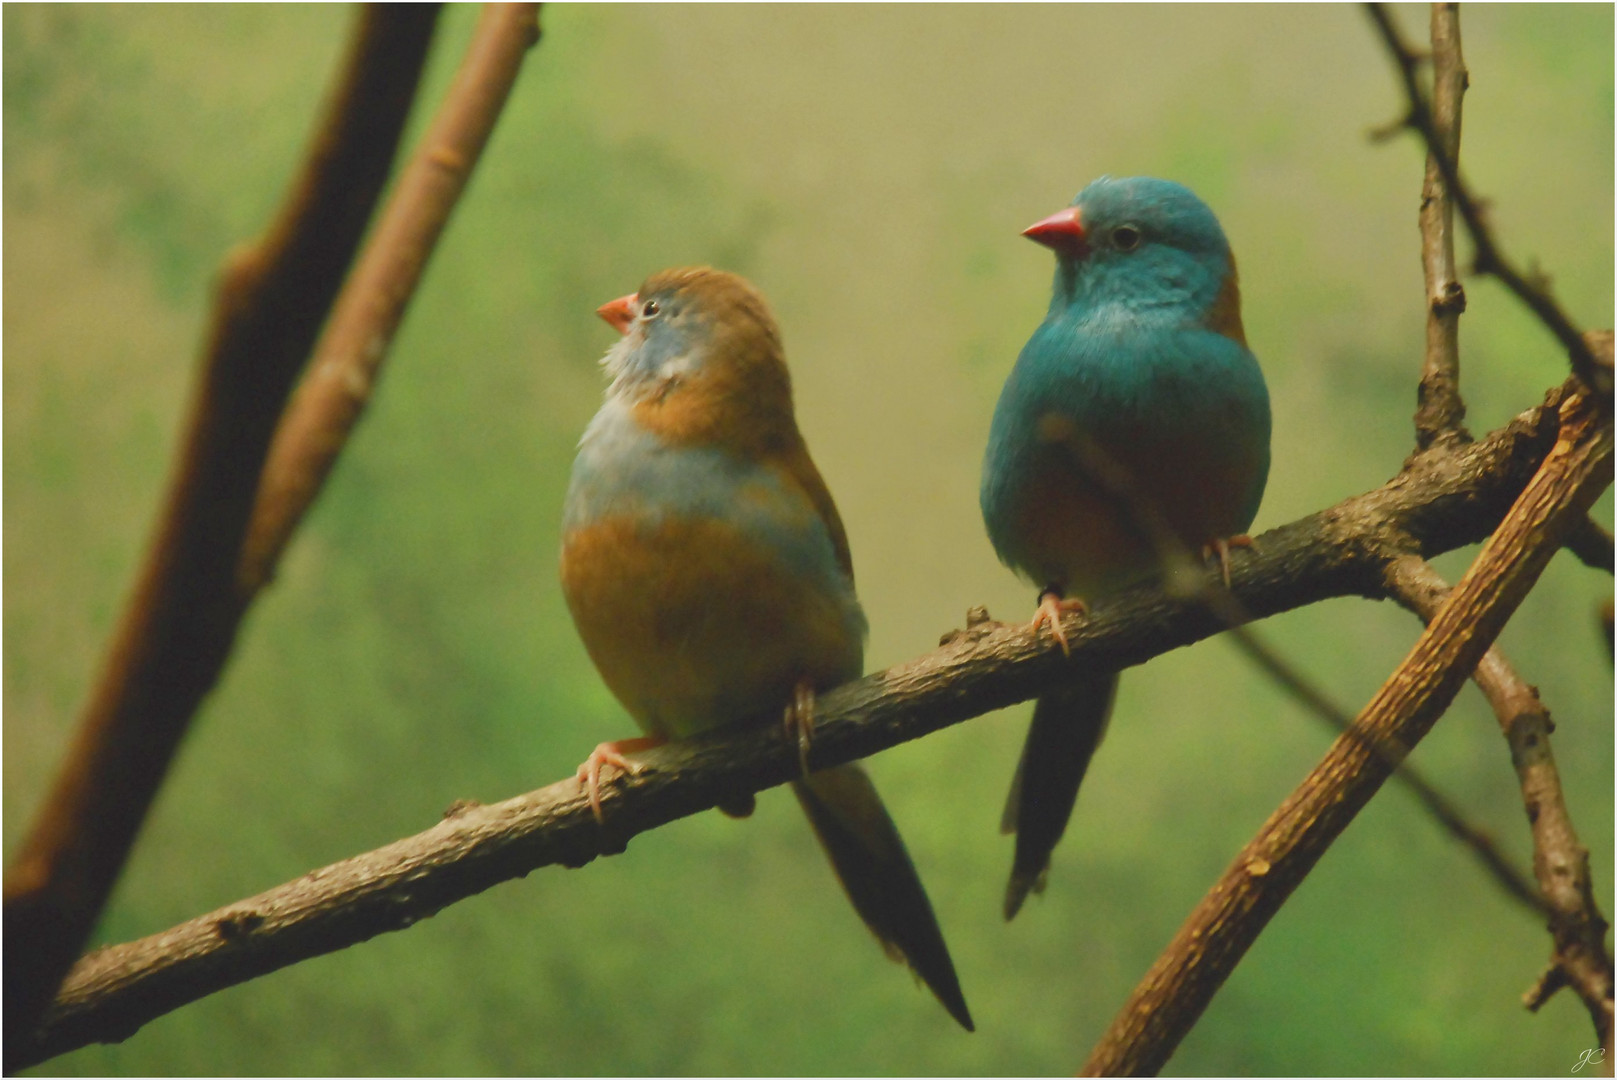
x: 177, y: 630
x: 344, y: 369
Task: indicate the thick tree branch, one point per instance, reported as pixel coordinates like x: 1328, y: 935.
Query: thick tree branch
x: 1174, y: 993
x: 1436, y: 803
x: 177, y: 630
x: 328, y: 403
x: 1176, y: 990
x: 1489, y: 259
x: 1560, y: 860
x: 1441, y: 501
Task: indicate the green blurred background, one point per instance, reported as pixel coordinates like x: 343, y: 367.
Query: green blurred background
x: 869, y: 168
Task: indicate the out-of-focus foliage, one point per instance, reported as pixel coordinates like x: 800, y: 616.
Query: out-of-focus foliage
x: 869, y: 168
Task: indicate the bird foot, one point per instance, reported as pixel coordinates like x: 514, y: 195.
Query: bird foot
x: 611, y: 753
x: 799, y: 721
x: 1052, y: 606
x: 1221, y: 548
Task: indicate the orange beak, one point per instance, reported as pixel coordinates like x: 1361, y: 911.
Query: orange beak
x: 620, y: 312
x: 1062, y: 231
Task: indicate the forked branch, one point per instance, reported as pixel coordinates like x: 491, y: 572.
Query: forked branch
x: 1172, y: 996
x: 1489, y: 259
x: 1579, y: 958
x: 177, y: 630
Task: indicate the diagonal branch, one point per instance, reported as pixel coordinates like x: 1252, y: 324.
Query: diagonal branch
x: 1436, y: 803
x: 1440, y: 502
x: 328, y: 403
x: 1176, y: 990
x: 1560, y: 860
x: 177, y: 630
x: 1489, y: 259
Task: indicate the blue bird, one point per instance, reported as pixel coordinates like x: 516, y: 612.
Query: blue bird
x: 1140, y: 371
x: 709, y: 576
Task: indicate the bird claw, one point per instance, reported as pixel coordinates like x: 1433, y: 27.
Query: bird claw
x: 611, y: 753
x: 1052, y: 606
x: 1220, y: 547
x: 799, y: 722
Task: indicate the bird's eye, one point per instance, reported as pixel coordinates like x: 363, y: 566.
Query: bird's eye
x: 1126, y: 237
x: 649, y: 309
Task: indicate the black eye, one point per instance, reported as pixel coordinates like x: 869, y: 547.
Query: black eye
x: 1126, y: 237
x: 650, y: 309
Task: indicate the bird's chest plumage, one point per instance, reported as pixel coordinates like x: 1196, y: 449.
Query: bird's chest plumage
x: 1178, y: 413
x: 704, y: 586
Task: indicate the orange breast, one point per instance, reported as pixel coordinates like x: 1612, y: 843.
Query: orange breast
x: 1077, y: 536
x: 693, y: 625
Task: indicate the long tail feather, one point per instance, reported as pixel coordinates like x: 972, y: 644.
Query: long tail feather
x: 1067, y: 727
x: 869, y: 857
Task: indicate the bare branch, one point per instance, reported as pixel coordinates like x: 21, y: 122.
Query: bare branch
x: 1176, y: 990
x: 338, y: 386
x: 178, y: 628
x: 1440, y: 412
x: 1441, y: 501
x: 1436, y: 803
x: 1561, y: 862
x: 1489, y: 259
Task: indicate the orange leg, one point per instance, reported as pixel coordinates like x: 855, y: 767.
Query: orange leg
x: 1221, y: 548
x: 611, y: 753
x: 799, y: 721
x: 1051, y: 607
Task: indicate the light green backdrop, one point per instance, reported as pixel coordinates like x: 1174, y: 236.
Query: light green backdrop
x: 869, y: 168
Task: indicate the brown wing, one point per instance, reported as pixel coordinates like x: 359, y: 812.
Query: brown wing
x: 800, y: 467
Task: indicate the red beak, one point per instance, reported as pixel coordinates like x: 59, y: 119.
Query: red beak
x: 1062, y: 231
x: 620, y: 312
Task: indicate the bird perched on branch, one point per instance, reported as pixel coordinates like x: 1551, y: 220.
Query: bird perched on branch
x: 1135, y: 420
x: 708, y: 573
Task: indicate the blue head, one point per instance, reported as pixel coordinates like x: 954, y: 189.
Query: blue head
x: 1146, y: 245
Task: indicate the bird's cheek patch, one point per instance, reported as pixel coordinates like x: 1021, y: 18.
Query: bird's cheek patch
x: 1055, y: 427
x: 1224, y: 317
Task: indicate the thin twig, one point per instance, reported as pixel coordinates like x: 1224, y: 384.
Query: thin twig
x: 1442, y: 502
x: 1489, y: 259
x: 331, y: 397
x: 175, y: 634
x: 1560, y: 860
x: 1440, y: 410
x: 1512, y: 880
x: 1176, y: 990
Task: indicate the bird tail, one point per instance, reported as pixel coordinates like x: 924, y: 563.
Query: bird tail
x: 1067, y: 727
x: 869, y: 857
